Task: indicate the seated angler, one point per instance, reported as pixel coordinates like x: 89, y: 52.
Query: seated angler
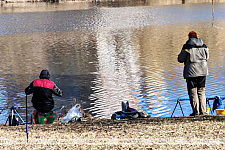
x: 42, y: 90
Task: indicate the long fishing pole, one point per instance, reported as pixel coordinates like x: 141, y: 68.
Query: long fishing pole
x: 26, y: 119
x: 212, y: 14
x: 207, y: 98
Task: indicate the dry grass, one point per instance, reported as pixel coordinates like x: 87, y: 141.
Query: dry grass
x: 205, y: 132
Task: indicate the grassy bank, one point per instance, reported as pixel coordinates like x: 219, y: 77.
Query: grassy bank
x: 206, y: 132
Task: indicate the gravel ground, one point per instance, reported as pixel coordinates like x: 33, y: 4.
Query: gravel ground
x: 202, y: 132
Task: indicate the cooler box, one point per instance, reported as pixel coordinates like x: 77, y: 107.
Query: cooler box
x: 44, y: 118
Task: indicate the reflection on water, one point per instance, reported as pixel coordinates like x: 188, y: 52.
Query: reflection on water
x: 103, y: 56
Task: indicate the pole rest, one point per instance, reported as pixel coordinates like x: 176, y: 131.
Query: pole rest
x: 187, y: 99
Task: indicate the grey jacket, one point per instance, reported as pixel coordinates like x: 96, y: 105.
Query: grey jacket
x: 194, y: 55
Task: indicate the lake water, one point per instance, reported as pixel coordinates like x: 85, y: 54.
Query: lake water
x: 103, y: 55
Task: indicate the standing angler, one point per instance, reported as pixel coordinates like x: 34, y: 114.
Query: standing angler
x: 42, y: 90
x: 194, y: 55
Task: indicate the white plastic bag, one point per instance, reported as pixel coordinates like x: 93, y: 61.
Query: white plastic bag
x: 73, y: 113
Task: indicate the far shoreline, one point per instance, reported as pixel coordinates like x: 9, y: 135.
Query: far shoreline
x: 150, y: 2
x: 24, y: 6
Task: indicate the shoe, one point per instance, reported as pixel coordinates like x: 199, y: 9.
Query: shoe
x: 193, y: 114
x: 203, y: 113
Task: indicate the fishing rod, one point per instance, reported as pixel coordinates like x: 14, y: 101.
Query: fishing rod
x: 14, y: 107
x: 26, y: 119
x: 207, y: 98
x: 212, y: 13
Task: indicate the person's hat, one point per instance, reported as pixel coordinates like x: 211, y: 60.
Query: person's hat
x: 44, y: 74
x: 192, y: 34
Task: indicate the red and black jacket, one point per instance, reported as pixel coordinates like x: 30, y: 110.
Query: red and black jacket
x: 42, y: 90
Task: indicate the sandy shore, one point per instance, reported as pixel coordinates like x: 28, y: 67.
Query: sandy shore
x: 205, y: 132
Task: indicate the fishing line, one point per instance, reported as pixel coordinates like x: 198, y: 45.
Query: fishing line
x: 11, y: 135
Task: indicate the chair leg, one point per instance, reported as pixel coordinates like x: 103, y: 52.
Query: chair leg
x: 32, y: 117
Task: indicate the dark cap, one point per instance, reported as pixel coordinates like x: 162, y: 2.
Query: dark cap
x: 44, y: 74
x: 192, y: 34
